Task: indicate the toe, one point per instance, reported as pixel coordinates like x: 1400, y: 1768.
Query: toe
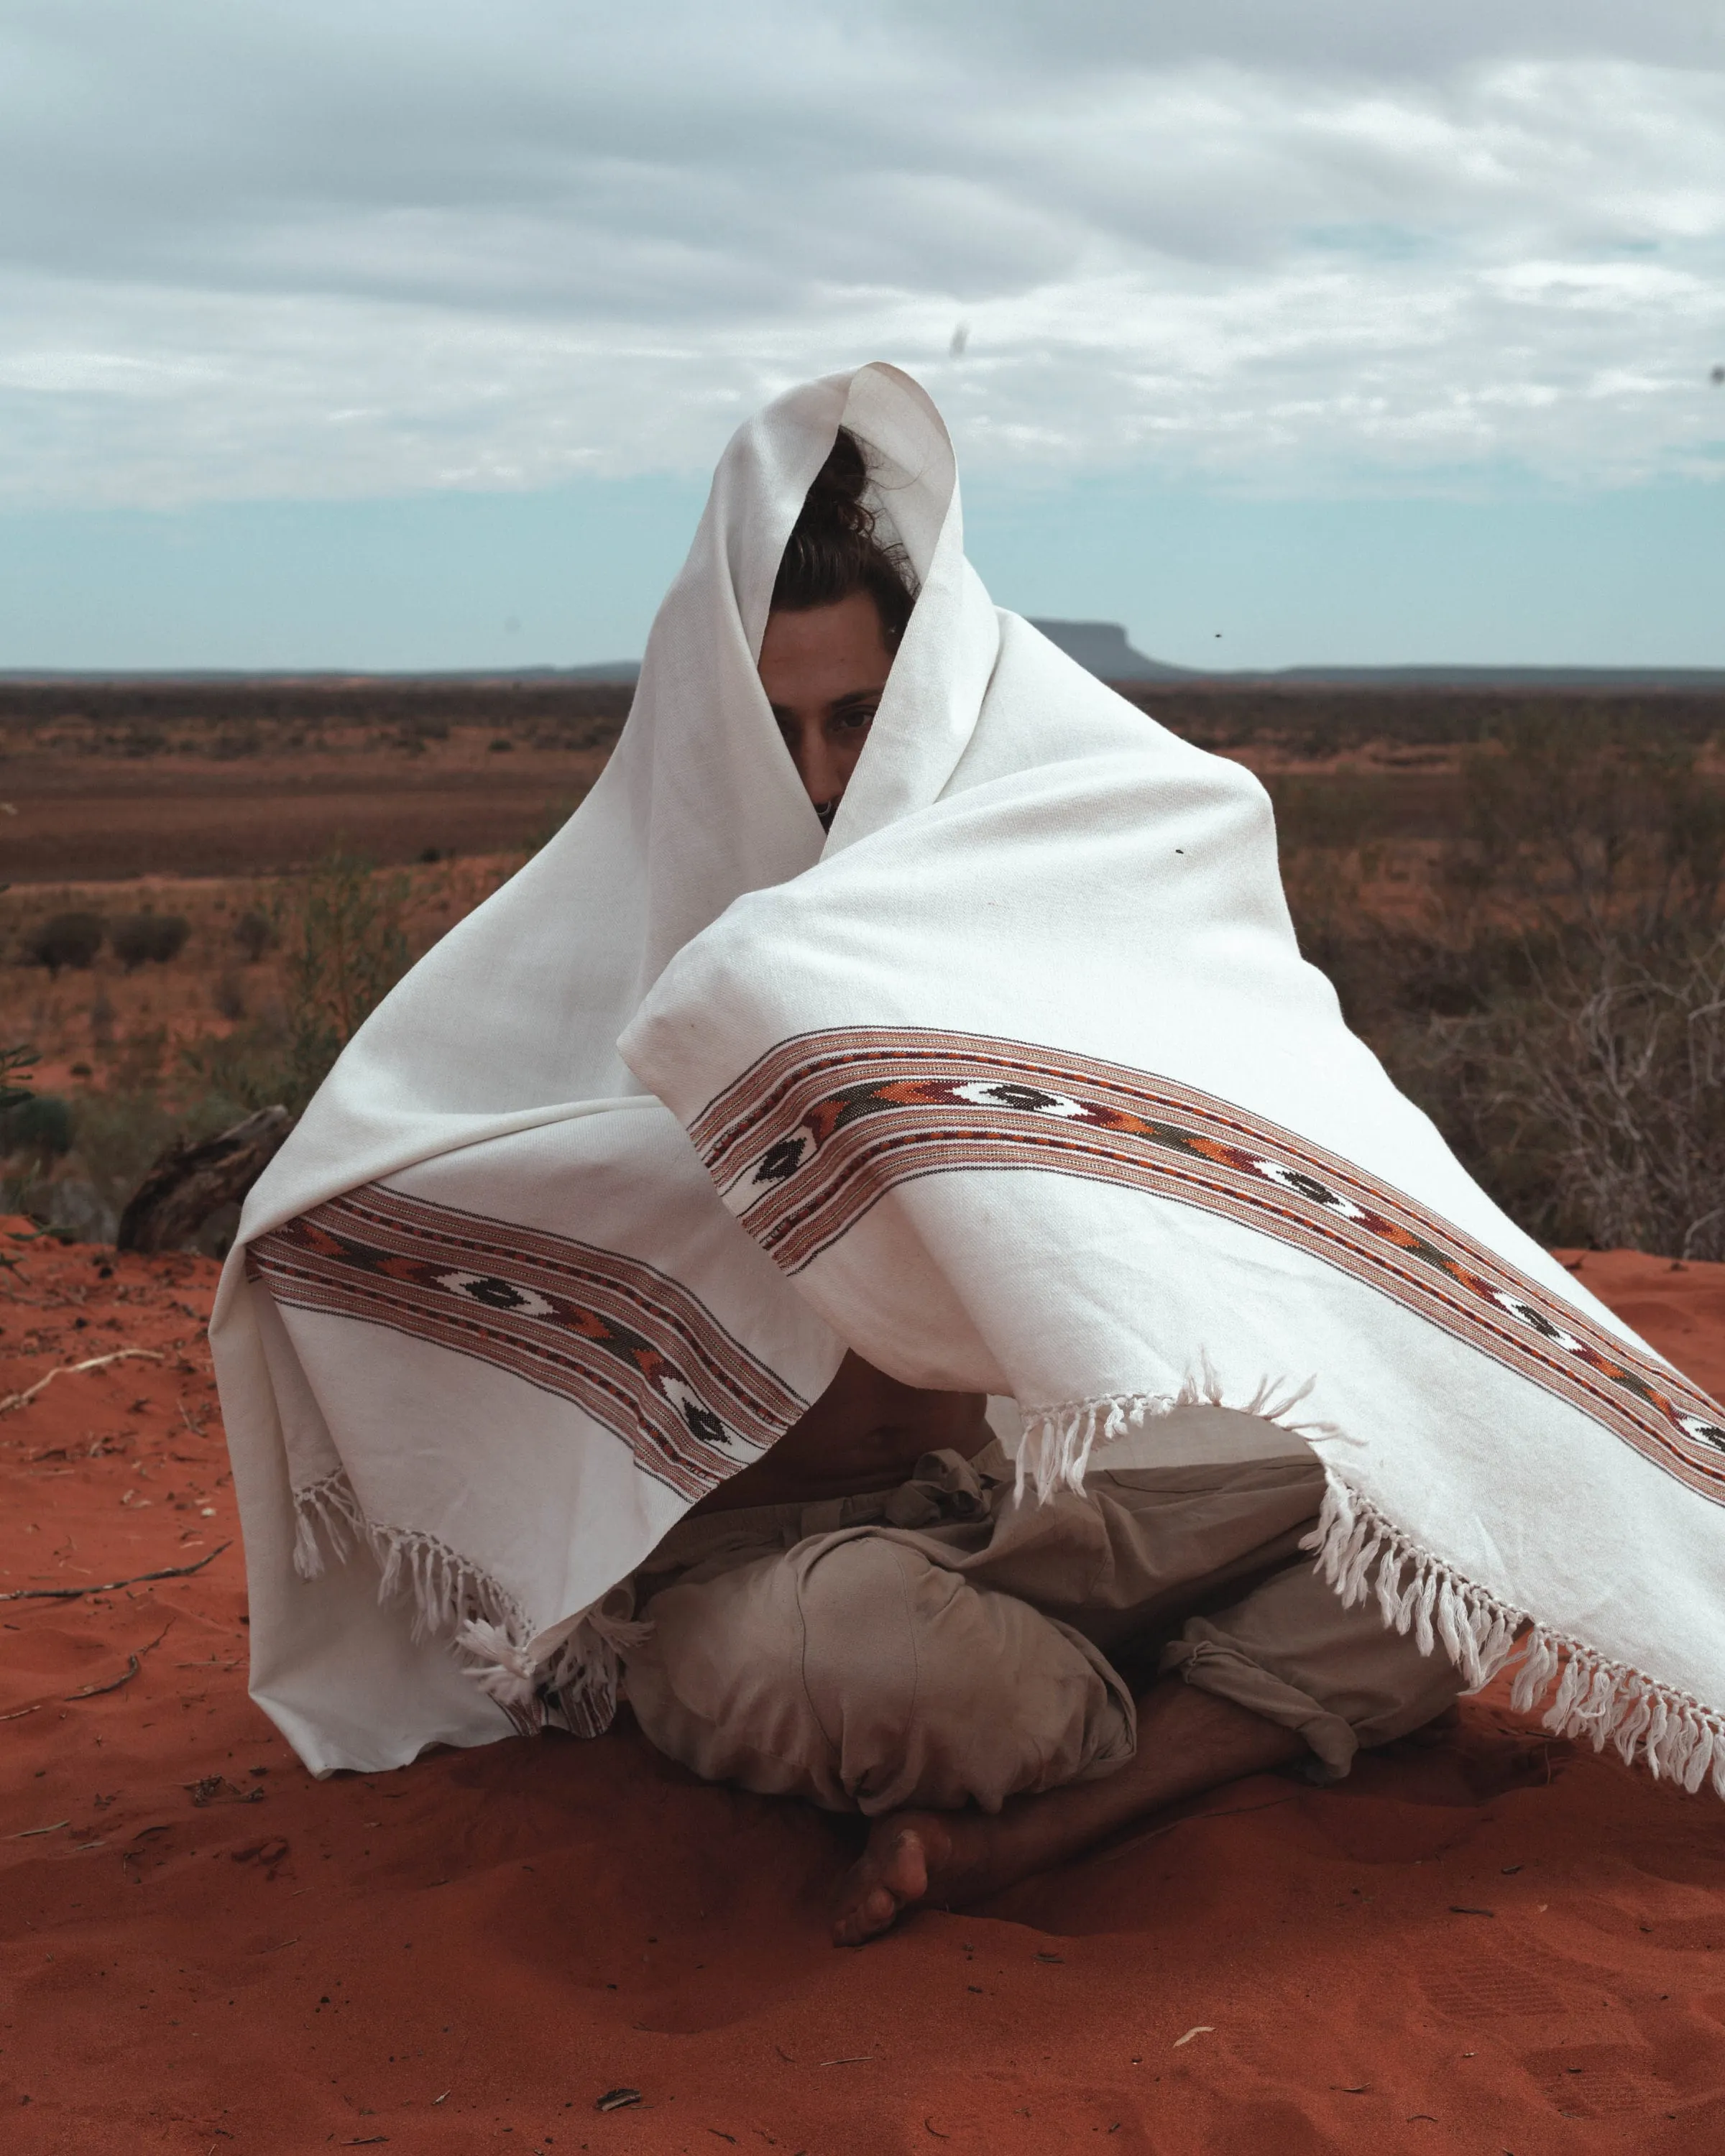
x: 866, y: 1917
x: 893, y: 1873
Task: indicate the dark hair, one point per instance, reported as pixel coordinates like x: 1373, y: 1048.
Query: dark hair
x: 832, y: 552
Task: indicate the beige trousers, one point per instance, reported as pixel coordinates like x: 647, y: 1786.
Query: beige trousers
x: 942, y: 1643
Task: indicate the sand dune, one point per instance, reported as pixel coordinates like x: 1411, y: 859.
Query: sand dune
x: 1488, y: 1942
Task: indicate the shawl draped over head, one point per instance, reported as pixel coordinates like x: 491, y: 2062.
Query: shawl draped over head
x: 1015, y: 1083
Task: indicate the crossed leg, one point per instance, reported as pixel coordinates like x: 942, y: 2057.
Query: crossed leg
x: 1189, y: 1741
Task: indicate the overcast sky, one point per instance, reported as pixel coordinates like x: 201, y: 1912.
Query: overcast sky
x: 294, y: 269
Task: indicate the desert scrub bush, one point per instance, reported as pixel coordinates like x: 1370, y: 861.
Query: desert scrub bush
x: 1592, y: 1103
x: 1604, y: 819
x: 39, y: 1126
x: 147, y: 938
x: 252, y: 1066
x: 344, y: 946
x: 16, y: 1065
x: 31, y: 1123
x: 346, y: 950
x: 75, y: 1163
x: 116, y: 1138
x: 1559, y: 1011
x: 65, y: 939
x: 254, y: 932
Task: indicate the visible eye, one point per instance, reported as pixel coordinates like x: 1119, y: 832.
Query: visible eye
x: 852, y: 722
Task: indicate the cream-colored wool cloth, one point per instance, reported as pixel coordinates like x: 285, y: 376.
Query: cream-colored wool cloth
x: 1015, y: 1083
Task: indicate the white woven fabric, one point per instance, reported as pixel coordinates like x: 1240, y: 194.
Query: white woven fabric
x: 1015, y: 1083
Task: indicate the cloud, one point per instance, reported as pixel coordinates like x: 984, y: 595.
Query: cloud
x: 314, y: 250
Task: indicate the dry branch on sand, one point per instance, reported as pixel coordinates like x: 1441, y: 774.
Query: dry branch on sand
x: 71, y: 1369
x: 111, y: 1586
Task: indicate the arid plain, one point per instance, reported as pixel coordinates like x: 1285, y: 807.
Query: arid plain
x: 1485, y: 1941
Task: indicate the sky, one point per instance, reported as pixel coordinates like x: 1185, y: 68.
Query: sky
x: 355, y: 333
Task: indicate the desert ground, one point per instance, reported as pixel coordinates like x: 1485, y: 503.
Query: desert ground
x: 1485, y: 1940
x: 108, y: 782
x: 1490, y: 1941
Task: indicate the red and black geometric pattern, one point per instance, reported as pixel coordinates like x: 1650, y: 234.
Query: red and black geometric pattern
x: 626, y: 1343
x: 825, y: 1124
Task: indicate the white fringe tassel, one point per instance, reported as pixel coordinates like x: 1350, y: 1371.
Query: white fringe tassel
x: 451, y: 1599
x: 454, y: 1600
x: 1360, y: 1553
x: 1055, y: 1451
x: 585, y: 1673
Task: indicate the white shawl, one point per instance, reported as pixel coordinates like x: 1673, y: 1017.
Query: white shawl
x: 1015, y: 1083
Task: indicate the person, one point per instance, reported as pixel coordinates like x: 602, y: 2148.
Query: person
x: 844, y: 1619
x: 875, y: 1248
x: 840, y: 605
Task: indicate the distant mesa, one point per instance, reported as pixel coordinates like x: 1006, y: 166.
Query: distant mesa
x: 1101, y: 649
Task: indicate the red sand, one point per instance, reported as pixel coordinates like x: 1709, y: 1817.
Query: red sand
x: 1488, y: 1942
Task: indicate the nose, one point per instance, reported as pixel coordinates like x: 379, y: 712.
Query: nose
x: 819, y: 765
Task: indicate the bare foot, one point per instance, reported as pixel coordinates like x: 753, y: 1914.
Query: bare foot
x: 908, y: 1858
x: 1189, y: 1741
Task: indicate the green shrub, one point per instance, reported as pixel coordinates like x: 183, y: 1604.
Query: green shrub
x: 138, y: 939
x: 39, y: 1124
x: 254, y: 932
x: 16, y: 1065
x: 65, y: 939
x: 344, y: 946
x: 346, y: 949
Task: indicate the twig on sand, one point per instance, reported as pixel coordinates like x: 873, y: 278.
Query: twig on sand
x: 95, y: 1691
x: 111, y: 1586
x: 134, y: 1663
x: 70, y: 1370
x: 18, y: 1714
x: 30, y: 1831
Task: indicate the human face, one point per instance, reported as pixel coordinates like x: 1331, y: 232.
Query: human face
x: 824, y: 670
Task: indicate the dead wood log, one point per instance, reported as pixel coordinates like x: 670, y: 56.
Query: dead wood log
x: 190, y: 1181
